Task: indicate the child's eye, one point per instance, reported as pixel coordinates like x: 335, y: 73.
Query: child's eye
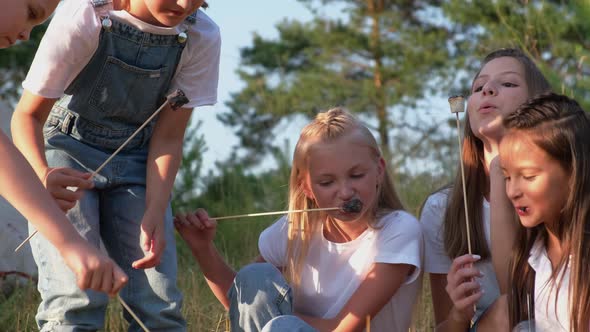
x: 529, y: 178
x: 325, y: 183
x: 509, y: 85
x: 357, y: 176
x: 477, y: 88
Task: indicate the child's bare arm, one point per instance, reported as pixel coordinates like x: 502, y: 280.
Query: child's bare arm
x: 18, y: 182
x: 27, y: 132
x: 198, y: 231
x: 165, y: 154
x: 381, y: 283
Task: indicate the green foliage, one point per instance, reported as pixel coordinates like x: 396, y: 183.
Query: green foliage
x: 554, y: 33
x: 373, y: 60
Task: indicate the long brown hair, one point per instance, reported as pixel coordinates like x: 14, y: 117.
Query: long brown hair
x: 476, y: 177
x: 561, y: 128
x: 326, y: 126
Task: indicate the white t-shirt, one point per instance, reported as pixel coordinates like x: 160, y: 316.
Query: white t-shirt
x: 436, y: 260
x: 548, y: 317
x: 72, y: 38
x: 334, y: 271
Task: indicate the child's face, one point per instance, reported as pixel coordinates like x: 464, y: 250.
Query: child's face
x: 497, y: 91
x: 18, y: 17
x: 537, y: 184
x: 341, y: 170
x: 166, y: 13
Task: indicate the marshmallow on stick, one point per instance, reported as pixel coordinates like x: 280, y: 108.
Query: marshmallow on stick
x: 457, y: 104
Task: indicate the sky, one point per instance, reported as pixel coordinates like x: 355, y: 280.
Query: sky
x: 238, y: 21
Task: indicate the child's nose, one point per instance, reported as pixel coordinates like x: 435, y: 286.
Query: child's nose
x: 490, y: 89
x: 512, y: 190
x: 186, y: 4
x: 346, y: 191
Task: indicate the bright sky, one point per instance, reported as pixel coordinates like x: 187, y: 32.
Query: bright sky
x: 238, y: 20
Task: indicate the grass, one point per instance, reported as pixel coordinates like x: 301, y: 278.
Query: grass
x: 200, y: 308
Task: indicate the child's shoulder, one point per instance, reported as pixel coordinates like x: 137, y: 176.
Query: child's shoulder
x: 438, y: 198
x: 77, y: 7
x: 399, y: 222
x: 204, y: 26
x: 77, y: 15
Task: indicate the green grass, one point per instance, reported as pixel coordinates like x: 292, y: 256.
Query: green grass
x: 201, y: 309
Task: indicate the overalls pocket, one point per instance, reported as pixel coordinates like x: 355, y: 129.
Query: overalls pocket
x: 128, y: 92
x: 51, y: 127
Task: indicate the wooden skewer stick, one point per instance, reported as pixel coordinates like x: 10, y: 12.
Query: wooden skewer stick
x: 368, y: 328
x: 273, y: 213
x: 175, y: 100
x: 355, y: 205
x: 133, y: 314
x: 458, y: 106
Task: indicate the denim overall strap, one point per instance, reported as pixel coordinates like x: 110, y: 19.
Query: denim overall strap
x: 125, y: 81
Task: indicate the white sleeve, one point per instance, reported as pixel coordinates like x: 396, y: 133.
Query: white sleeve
x: 68, y: 44
x: 197, y: 74
x: 272, y: 243
x: 400, y: 242
x: 436, y: 259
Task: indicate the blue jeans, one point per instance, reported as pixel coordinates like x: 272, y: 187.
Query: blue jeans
x: 261, y: 300
x: 110, y: 213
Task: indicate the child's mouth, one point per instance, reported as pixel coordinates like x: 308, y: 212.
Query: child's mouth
x: 522, y: 210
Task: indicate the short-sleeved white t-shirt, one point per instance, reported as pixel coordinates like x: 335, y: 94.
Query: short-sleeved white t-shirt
x: 548, y: 316
x: 436, y: 260
x: 72, y: 38
x: 334, y: 271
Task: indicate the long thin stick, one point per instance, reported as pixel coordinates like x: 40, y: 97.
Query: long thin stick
x: 133, y: 314
x: 528, y: 312
x: 169, y: 100
x: 458, y: 106
x: 273, y: 213
x: 463, y: 183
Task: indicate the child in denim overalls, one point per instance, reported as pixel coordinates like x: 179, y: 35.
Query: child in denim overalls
x: 18, y: 180
x: 115, y: 67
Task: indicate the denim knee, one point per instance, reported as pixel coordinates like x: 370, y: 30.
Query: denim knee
x: 257, y: 273
x: 287, y: 323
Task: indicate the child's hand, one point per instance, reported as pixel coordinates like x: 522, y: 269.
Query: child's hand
x: 93, y: 269
x: 152, y: 241
x: 196, y: 228
x: 57, y: 181
x: 463, y: 288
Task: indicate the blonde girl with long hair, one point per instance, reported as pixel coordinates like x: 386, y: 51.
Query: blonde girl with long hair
x: 545, y: 161
x: 339, y: 268
x: 462, y: 282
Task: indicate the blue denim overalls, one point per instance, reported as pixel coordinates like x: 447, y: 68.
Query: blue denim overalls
x: 125, y: 81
